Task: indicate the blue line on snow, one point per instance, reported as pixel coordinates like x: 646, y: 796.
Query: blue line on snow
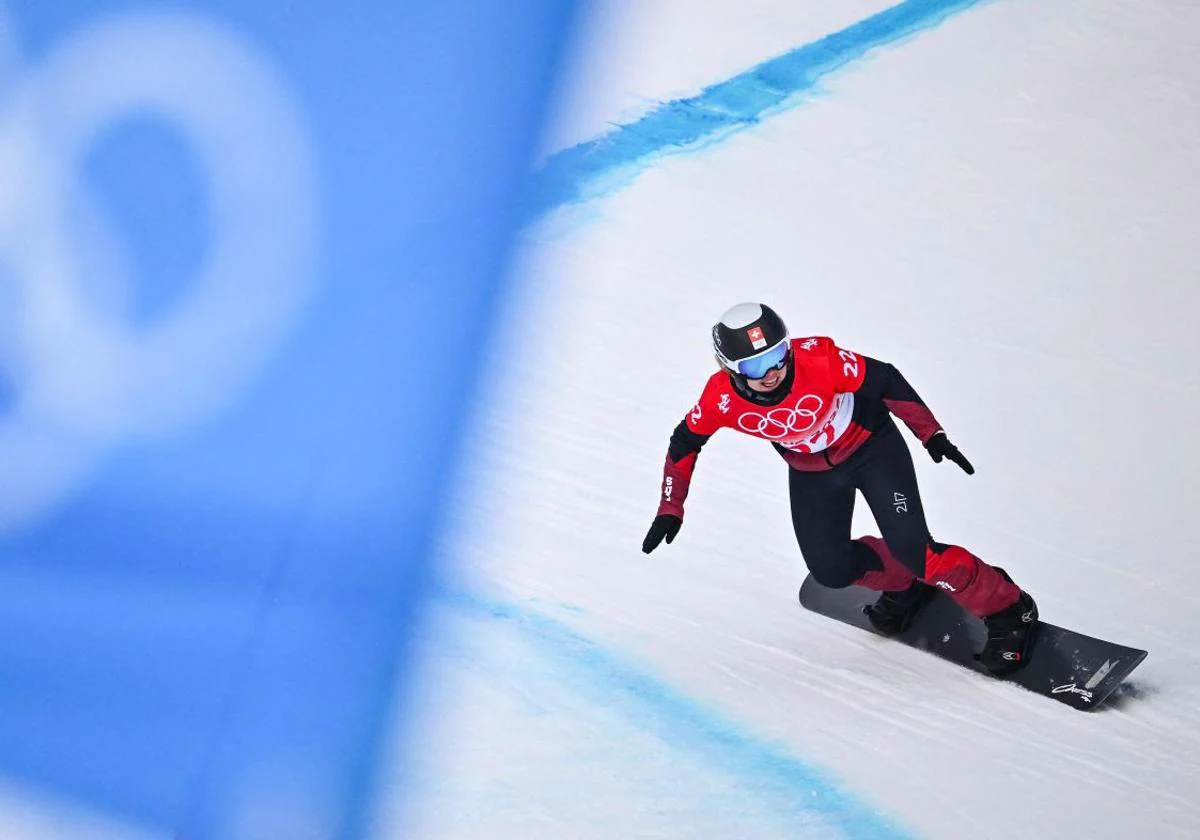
x: 682, y: 721
x: 586, y: 170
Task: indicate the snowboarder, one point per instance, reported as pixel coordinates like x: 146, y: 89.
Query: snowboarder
x: 828, y: 412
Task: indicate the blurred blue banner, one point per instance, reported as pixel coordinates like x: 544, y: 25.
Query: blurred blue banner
x: 250, y: 256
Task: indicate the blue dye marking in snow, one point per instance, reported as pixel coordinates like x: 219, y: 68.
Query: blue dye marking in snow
x: 683, y: 722
x: 598, y: 166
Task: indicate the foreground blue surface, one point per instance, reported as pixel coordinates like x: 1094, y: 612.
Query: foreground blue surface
x: 276, y: 233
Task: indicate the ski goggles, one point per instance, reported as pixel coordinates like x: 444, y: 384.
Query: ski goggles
x: 759, y: 365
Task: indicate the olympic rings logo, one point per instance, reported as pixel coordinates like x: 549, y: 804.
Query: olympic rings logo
x: 784, y: 422
x: 85, y: 379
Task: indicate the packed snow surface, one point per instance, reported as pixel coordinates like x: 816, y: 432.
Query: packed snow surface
x: 1003, y: 205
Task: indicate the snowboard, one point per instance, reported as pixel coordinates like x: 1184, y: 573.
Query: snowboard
x: 1079, y: 670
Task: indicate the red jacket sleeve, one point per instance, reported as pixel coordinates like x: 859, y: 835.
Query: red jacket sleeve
x: 686, y: 441
x: 882, y: 381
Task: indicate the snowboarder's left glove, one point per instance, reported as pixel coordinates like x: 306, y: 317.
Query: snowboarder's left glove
x: 940, y: 447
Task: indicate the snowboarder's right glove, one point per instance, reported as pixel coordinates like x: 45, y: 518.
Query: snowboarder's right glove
x: 666, y: 525
x: 940, y: 447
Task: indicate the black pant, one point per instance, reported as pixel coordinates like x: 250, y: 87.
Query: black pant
x: 823, y: 503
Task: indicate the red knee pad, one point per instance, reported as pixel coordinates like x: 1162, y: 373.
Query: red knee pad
x: 893, y: 577
x: 977, y: 587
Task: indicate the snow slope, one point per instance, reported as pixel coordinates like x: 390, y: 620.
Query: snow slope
x: 1002, y: 205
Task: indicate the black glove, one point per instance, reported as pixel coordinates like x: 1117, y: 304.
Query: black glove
x: 665, y: 525
x: 940, y: 447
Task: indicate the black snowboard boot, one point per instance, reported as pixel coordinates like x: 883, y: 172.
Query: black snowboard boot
x: 893, y: 612
x: 1011, y: 634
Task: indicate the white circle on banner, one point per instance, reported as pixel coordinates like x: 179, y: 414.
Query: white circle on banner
x: 83, y: 378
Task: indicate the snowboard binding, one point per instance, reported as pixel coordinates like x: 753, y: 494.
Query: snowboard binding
x: 1011, y: 634
x: 893, y: 612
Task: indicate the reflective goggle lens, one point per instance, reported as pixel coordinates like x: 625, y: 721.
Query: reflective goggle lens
x: 756, y: 367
